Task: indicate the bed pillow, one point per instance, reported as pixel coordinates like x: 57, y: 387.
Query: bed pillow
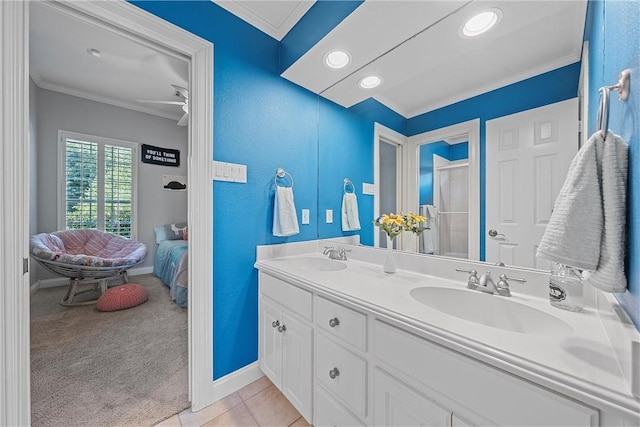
x: 173, y: 231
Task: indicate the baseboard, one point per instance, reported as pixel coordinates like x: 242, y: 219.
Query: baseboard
x: 236, y: 380
x: 53, y: 283
x: 63, y: 281
x: 34, y: 287
x: 139, y: 271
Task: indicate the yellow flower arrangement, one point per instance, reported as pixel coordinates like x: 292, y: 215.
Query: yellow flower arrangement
x: 394, y: 224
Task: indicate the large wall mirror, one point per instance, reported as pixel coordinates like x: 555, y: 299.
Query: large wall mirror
x: 446, y: 105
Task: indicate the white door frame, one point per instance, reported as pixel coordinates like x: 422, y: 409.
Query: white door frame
x: 121, y: 16
x: 472, y: 128
x: 382, y: 134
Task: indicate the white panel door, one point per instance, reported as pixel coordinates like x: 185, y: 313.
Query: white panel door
x: 297, y: 359
x: 395, y: 404
x: 270, y: 341
x: 527, y: 158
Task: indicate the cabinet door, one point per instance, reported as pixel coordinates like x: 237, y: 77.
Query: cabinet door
x: 297, y: 346
x: 395, y: 404
x: 270, y: 341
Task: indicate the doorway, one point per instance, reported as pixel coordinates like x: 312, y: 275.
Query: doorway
x: 136, y: 24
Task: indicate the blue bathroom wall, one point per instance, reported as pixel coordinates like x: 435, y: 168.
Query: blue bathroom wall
x: 614, y: 45
x: 345, y: 151
x: 548, y: 88
x: 450, y: 152
x: 265, y: 122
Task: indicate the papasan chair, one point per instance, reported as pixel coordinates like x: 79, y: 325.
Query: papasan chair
x: 86, y: 257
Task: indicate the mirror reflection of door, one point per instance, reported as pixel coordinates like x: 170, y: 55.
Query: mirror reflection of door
x: 451, y: 208
x: 527, y: 158
x: 443, y: 197
x: 390, y: 157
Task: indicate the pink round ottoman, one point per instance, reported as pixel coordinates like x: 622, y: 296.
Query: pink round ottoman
x: 122, y: 297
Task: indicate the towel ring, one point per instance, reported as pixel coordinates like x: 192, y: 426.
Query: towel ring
x: 348, y: 183
x: 622, y: 87
x: 281, y: 173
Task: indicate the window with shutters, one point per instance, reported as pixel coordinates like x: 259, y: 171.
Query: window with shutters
x: 97, y: 181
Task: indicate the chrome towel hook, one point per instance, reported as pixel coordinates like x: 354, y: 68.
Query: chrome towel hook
x: 622, y: 87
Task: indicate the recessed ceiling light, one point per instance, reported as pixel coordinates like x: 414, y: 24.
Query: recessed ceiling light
x: 481, y: 22
x: 337, y: 59
x: 94, y: 52
x: 370, y: 82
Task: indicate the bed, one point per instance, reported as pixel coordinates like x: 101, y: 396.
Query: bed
x: 171, y: 260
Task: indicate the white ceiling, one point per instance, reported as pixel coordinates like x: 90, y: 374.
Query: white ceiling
x: 425, y: 64
x: 126, y: 72
x: 274, y: 17
x: 413, y: 45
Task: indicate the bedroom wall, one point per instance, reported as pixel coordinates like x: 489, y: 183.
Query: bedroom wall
x: 156, y: 206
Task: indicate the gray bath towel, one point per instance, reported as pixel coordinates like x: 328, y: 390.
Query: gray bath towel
x: 587, y: 226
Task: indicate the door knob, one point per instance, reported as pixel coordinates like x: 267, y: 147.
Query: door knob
x: 275, y: 323
x: 334, y: 373
x: 494, y: 233
x: 334, y: 322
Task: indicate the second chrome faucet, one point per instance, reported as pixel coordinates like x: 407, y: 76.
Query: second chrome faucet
x: 339, y: 254
x: 486, y: 284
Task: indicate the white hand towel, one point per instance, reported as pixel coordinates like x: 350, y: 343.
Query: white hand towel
x: 428, y: 236
x: 350, y: 220
x: 586, y: 228
x: 609, y: 276
x: 285, y: 218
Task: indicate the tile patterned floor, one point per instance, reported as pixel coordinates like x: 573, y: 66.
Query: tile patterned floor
x: 259, y: 404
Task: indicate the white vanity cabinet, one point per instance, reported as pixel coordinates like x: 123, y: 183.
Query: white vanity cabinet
x: 286, y: 340
x: 360, y: 365
x: 486, y: 395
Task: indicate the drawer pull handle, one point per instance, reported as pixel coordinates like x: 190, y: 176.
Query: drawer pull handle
x: 334, y: 373
x: 334, y: 322
x: 282, y: 328
x: 275, y: 323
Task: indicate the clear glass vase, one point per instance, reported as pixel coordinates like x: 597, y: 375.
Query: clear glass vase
x: 389, y: 265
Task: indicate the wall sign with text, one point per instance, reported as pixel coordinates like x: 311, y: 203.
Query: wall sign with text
x: 160, y: 156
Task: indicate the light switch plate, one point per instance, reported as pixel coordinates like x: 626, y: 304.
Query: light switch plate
x: 329, y: 216
x: 232, y: 172
x: 305, y: 216
x: 368, y: 189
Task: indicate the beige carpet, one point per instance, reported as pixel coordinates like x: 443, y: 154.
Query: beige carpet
x: 122, y: 368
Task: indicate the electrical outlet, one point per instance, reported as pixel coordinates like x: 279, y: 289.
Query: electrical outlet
x: 329, y: 216
x: 305, y: 216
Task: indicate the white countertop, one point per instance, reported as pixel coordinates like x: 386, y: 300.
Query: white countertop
x: 582, y: 364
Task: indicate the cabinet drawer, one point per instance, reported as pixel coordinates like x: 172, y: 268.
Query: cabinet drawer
x: 292, y: 297
x: 493, y: 394
x: 342, y: 322
x: 349, y: 371
x: 328, y: 412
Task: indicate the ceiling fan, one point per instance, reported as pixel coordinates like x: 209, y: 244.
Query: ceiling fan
x: 180, y: 92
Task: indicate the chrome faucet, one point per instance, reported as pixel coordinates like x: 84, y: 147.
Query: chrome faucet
x: 339, y: 254
x: 486, y: 284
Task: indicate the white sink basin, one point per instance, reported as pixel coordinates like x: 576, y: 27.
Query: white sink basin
x: 491, y: 310
x: 317, y: 264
